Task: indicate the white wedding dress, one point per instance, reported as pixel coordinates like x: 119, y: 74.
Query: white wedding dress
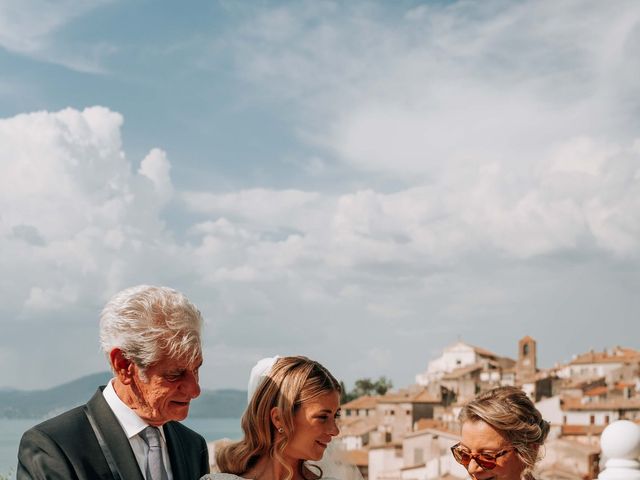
x: 332, y: 468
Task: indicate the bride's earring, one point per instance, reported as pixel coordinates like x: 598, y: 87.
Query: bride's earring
x: 280, y: 430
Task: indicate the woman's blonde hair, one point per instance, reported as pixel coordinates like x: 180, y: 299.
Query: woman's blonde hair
x: 513, y: 414
x: 290, y: 382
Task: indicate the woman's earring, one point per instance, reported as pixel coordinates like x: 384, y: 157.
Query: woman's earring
x: 280, y: 430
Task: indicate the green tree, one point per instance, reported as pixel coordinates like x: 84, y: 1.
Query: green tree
x: 383, y: 385
x: 345, y: 396
x: 366, y: 386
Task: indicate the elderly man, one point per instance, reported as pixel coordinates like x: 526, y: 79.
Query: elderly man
x: 129, y: 429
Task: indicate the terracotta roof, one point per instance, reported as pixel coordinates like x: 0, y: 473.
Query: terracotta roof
x: 617, y: 355
x: 432, y: 424
x: 571, y: 446
x: 406, y: 396
x: 365, y: 402
x: 569, y: 403
x: 356, y: 426
x: 483, y: 352
x: 582, y: 429
x: 352, y: 420
x: 581, y: 384
x: 594, y: 392
x: 623, y: 385
x: 425, y: 397
x: 358, y: 457
x: 462, y: 371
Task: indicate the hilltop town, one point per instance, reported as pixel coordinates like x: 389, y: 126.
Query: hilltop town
x: 406, y: 434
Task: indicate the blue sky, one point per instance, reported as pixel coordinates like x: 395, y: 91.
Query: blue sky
x: 360, y: 182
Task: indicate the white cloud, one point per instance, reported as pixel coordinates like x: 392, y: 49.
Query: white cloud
x: 510, y: 125
x: 71, y: 202
x: 156, y: 167
x: 568, y: 205
x: 51, y: 299
x: 505, y: 140
x: 271, y: 209
x: 448, y: 84
x: 28, y: 27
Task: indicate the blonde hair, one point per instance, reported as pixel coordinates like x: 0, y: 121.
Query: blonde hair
x: 291, y: 382
x: 513, y: 414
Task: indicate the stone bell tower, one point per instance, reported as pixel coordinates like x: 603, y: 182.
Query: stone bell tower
x: 527, y: 361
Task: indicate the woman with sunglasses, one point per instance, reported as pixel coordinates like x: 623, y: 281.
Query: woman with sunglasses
x: 502, y: 432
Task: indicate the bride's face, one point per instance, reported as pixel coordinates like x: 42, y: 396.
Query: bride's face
x: 314, y: 426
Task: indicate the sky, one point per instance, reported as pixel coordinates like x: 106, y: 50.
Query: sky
x: 364, y: 183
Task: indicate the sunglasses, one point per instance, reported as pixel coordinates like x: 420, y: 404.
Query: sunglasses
x: 486, y: 460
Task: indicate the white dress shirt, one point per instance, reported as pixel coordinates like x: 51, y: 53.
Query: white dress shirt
x: 132, y: 425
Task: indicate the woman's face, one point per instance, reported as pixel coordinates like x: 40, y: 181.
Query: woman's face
x: 314, y: 426
x: 480, y: 437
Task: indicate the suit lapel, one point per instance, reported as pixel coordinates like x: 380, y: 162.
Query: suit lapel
x: 179, y: 465
x: 114, y: 437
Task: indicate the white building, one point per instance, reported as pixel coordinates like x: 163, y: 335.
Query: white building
x: 457, y: 356
x: 600, y: 364
x: 364, y: 406
x: 385, y: 462
x: 427, y: 456
x: 355, y: 431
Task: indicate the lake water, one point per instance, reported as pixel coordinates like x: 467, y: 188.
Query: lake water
x: 12, y: 429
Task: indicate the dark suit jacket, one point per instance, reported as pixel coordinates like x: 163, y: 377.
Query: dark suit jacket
x: 66, y: 447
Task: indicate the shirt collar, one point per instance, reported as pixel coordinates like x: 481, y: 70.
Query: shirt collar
x: 130, y: 422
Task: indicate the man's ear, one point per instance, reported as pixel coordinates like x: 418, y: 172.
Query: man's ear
x: 276, y: 418
x: 123, y: 368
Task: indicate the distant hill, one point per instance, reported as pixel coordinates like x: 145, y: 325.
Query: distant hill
x: 50, y: 402
x: 219, y: 404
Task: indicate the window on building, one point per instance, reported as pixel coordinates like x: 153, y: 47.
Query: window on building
x: 409, y: 412
x: 606, y: 419
x: 525, y: 349
x: 592, y: 419
x: 564, y: 419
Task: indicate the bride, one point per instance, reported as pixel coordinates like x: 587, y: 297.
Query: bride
x: 290, y: 419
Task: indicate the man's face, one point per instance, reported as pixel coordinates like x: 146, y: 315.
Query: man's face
x: 165, y: 395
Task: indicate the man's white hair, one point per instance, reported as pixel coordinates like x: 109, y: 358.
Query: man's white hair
x: 149, y: 323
